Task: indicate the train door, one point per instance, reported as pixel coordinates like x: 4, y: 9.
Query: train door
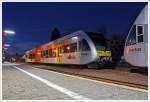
x: 59, y: 54
x: 37, y: 55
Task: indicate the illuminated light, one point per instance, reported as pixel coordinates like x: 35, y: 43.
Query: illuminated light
x: 6, y: 45
x: 9, y: 32
x: 38, y: 53
x: 68, y: 48
x: 75, y: 38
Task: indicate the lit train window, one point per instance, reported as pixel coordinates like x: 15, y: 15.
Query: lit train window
x: 66, y: 49
x: 50, y: 53
x: 61, y: 49
x: 54, y: 52
x: 140, y: 33
x: 70, y: 48
x: 83, y: 45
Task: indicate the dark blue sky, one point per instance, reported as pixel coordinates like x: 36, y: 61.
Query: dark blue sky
x: 33, y: 22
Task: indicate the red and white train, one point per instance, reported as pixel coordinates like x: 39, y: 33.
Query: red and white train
x: 79, y: 48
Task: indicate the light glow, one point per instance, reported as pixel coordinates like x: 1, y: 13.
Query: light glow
x: 9, y: 32
x: 75, y: 38
x: 6, y: 45
x: 68, y: 48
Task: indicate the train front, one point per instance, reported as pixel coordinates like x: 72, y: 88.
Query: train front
x: 104, y: 57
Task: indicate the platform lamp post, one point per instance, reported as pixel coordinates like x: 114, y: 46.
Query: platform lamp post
x: 4, y: 45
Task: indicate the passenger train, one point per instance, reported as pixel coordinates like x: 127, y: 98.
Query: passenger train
x: 78, y: 48
x: 136, y: 45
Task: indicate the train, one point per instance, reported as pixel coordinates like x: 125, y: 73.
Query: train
x: 78, y: 48
x: 87, y: 48
x: 136, y: 44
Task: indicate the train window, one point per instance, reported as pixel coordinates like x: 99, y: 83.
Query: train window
x: 54, y: 52
x: 73, y: 47
x: 132, y: 36
x: 70, y: 48
x: 66, y: 48
x: 60, y: 49
x: 83, y: 45
x: 46, y: 53
x: 50, y: 53
x: 139, y: 30
x: 140, y: 38
x: 97, y: 38
x: 32, y: 56
x: 41, y: 53
x: 140, y: 33
x: 29, y: 56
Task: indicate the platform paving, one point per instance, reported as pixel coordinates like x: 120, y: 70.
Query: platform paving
x: 118, y: 74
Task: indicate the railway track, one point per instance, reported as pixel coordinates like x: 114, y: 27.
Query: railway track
x: 134, y: 85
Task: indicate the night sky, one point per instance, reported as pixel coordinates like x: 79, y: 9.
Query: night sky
x: 33, y: 22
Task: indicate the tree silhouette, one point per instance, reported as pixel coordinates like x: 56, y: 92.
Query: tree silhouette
x: 55, y: 34
x: 117, y: 46
x: 103, y: 30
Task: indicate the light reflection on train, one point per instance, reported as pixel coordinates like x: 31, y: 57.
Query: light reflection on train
x: 79, y: 48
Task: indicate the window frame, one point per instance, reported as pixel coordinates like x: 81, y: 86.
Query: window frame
x: 137, y: 34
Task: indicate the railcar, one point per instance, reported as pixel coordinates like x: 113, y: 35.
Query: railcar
x: 136, y: 45
x: 78, y: 48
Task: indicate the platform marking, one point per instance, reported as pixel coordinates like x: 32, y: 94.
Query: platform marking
x: 101, y: 82
x: 59, y: 88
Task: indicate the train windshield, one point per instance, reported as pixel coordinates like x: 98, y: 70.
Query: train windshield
x: 99, y: 40
x: 136, y: 35
x: 132, y: 36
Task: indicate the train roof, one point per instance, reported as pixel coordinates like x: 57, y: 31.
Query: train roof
x: 64, y: 37
x: 80, y: 32
x: 142, y: 14
x: 59, y: 39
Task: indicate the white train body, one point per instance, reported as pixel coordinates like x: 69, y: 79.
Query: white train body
x: 77, y: 48
x: 136, y: 45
